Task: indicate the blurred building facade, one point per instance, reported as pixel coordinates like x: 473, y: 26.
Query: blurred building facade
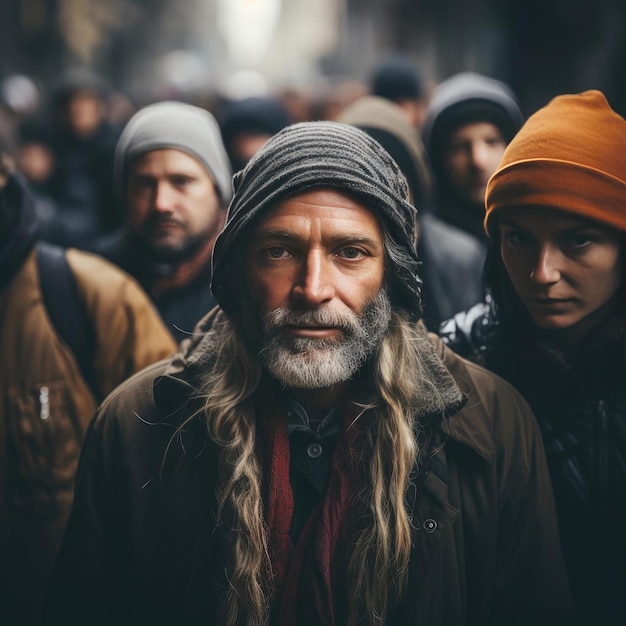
x: 160, y: 48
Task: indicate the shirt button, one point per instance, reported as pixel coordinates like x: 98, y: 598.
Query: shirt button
x: 429, y: 525
x: 314, y: 450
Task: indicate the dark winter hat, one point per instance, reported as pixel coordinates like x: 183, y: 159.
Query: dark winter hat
x: 179, y: 126
x: 315, y: 155
x: 464, y: 99
x: 396, y: 78
x: 75, y: 80
x: 254, y: 115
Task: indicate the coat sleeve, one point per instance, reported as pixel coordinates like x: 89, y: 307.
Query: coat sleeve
x: 88, y: 577
x: 531, y: 585
x: 128, y: 332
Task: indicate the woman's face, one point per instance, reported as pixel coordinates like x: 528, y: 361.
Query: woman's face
x: 562, y: 267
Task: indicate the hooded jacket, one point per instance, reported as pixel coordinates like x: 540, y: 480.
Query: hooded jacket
x: 463, y: 99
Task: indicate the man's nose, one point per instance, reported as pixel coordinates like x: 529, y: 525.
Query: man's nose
x: 480, y: 154
x: 314, y: 285
x: 163, y: 197
x: 546, y: 266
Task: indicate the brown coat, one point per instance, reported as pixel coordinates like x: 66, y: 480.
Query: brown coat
x: 41, y: 431
x: 146, y: 550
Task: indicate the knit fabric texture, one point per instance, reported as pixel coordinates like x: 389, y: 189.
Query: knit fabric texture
x: 178, y: 126
x: 312, y: 155
x: 571, y: 156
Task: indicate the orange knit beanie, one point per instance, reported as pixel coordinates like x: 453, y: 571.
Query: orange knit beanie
x: 570, y: 155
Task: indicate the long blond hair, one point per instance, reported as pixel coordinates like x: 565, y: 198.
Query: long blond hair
x: 404, y: 385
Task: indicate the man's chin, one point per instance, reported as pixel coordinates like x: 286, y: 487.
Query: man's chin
x: 167, y: 250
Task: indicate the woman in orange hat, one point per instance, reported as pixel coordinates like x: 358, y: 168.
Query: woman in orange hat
x: 554, y: 327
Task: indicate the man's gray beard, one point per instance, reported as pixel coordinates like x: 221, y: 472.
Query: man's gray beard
x: 310, y: 363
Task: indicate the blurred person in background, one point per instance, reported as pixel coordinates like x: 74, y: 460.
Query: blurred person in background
x: 452, y: 260
x: 20, y: 99
x: 334, y: 96
x: 35, y: 161
x: 556, y: 218
x: 314, y: 457
x: 49, y: 388
x: 398, y: 79
x: 297, y: 101
x: 83, y: 142
x: 247, y: 124
x: 470, y: 120
x: 173, y: 177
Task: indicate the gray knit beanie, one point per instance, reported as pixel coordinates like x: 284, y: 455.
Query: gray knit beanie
x: 315, y: 155
x: 179, y: 126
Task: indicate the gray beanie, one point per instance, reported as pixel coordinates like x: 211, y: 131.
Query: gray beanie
x: 314, y: 155
x: 179, y: 126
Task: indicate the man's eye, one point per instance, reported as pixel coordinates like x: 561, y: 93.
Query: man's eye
x: 276, y: 252
x: 350, y: 253
x: 181, y: 181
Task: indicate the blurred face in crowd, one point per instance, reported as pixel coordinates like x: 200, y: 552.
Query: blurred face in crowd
x: 562, y: 267
x: 315, y: 269
x: 85, y: 112
x: 36, y: 162
x: 471, y: 155
x: 172, y: 203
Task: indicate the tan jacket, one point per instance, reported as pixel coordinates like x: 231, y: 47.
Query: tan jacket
x: 46, y: 404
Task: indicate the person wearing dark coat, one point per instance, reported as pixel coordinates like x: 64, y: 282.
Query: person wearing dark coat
x: 247, y: 124
x: 82, y: 142
x: 398, y: 79
x: 313, y: 456
x: 554, y: 327
x: 469, y: 122
x: 174, y: 178
x: 452, y: 260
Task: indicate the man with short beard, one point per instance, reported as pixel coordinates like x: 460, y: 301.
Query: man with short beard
x: 173, y: 177
x: 314, y: 456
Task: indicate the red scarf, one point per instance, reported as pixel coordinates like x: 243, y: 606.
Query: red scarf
x: 311, y: 575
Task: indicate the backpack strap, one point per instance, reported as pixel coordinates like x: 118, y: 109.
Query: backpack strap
x: 65, y: 308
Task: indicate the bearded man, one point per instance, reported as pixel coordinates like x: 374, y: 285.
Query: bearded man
x: 314, y: 457
x: 173, y: 178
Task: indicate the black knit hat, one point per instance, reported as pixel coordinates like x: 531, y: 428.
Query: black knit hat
x: 396, y: 79
x: 315, y: 155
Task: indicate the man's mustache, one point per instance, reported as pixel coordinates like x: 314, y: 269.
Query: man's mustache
x: 276, y: 320
x: 156, y: 221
